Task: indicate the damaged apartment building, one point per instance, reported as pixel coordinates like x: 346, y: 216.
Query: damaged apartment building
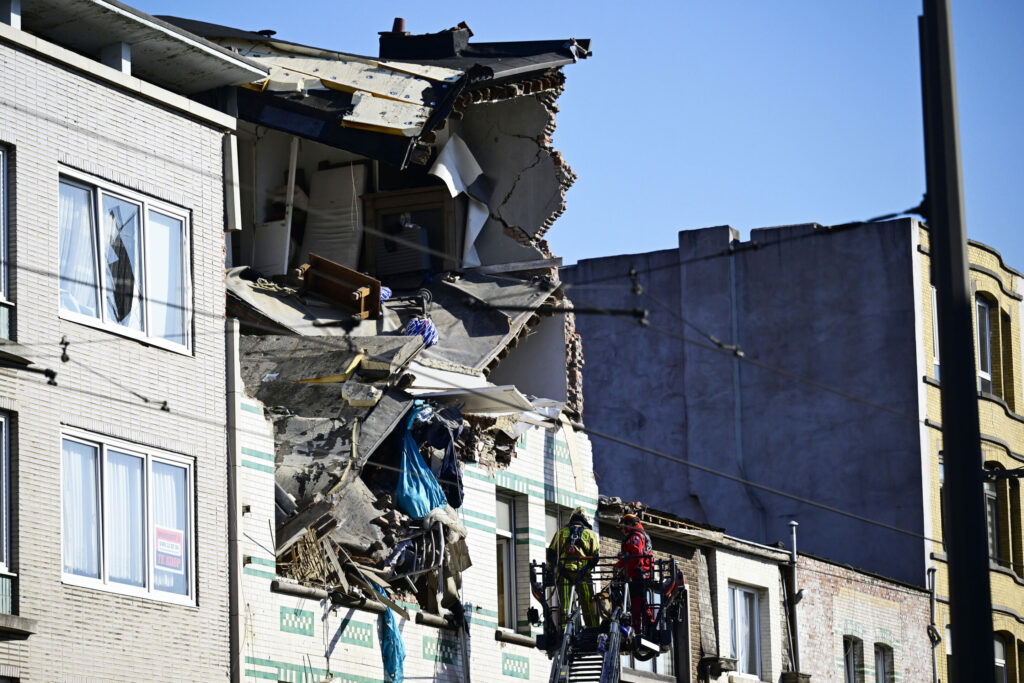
x: 403, y: 374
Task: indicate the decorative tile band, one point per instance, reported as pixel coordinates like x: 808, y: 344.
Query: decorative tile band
x: 294, y: 620
x: 253, y: 453
x: 271, y: 670
x: 356, y: 633
x: 257, y: 466
x: 515, y: 666
x: 262, y: 574
x: 248, y: 407
x: 532, y: 487
x: 440, y: 650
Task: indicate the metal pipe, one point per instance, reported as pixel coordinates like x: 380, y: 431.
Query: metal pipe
x: 970, y: 598
x: 931, y: 625
x: 794, y: 595
x: 433, y: 620
x: 289, y: 206
x: 235, y: 625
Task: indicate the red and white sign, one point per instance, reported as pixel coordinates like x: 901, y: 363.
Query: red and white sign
x: 170, y: 550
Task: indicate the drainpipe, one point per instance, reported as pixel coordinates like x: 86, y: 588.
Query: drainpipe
x: 794, y: 596
x: 933, y: 631
x: 234, y: 506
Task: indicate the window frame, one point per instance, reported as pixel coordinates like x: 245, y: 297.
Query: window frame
x: 4, y: 226
x: 737, y: 590
x: 148, y: 591
x: 5, y: 493
x: 991, y: 491
x: 983, y: 310
x: 884, y: 656
x: 853, y: 659
x: 936, y: 365
x: 99, y: 188
x: 999, y: 663
x: 507, y: 540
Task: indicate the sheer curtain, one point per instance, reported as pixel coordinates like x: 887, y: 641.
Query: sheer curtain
x: 165, y: 277
x: 122, y: 259
x: 126, y: 541
x: 78, y: 291
x: 170, y: 531
x: 80, y: 537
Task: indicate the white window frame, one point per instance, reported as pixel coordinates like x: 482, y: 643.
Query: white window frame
x: 1000, y: 662
x: 508, y: 540
x: 983, y: 311
x: 98, y: 188
x: 853, y: 659
x: 992, y: 521
x: 4, y: 192
x: 149, y: 456
x: 737, y: 591
x: 935, y: 334
x: 5, y: 493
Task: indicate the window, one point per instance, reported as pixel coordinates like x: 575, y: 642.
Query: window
x: 506, y: 548
x: 124, y: 262
x: 935, y: 333
x: 1006, y: 361
x: 942, y: 498
x: 992, y: 517
x: 660, y: 664
x: 883, y: 664
x: 744, y: 630
x: 984, y: 345
x: 1000, y: 663
x: 5, y: 317
x: 127, y: 519
x: 5, y: 498
x: 853, y: 660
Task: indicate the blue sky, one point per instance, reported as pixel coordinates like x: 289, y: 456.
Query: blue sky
x: 694, y: 113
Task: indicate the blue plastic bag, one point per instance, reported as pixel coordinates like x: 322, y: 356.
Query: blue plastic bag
x: 417, y: 492
x: 392, y: 649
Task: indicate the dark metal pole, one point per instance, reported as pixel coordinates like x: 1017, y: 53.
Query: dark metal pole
x: 966, y: 532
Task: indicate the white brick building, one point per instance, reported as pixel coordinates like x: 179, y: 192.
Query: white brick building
x: 113, y: 509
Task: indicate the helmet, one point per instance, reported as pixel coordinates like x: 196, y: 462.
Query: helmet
x: 629, y: 520
x: 579, y: 516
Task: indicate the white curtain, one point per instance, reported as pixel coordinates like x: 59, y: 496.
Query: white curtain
x: 165, y: 278
x: 170, y: 520
x: 126, y: 541
x: 80, y: 537
x: 122, y: 247
x: 78, y: 291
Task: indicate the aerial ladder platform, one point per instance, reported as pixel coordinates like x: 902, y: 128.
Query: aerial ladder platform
x: 592, y: 654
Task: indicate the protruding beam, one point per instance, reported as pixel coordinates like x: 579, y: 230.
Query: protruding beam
x: 117, y: 56
x: 10, y: 13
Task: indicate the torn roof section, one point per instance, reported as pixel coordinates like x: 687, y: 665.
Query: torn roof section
x: 479, y: 318
x: 388, y: 108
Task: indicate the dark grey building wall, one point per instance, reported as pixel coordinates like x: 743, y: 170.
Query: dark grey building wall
x: 836, y: 310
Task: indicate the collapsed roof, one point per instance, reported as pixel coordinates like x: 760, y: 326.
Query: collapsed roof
x: 388, y: 108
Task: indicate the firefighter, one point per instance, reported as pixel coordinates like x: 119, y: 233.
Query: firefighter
x: 636, y: 561
x: 575, y: 546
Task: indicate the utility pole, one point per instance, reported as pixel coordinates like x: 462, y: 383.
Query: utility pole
x: 966, y: 530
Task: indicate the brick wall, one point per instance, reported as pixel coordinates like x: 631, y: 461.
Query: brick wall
x: 51, y: 119
x: 839, y: 601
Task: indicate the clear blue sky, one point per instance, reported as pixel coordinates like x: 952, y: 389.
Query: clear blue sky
x: 695, y: 113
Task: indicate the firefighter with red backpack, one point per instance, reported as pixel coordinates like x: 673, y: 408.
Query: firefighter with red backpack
x: 636, y: 560
x: 575, y: 546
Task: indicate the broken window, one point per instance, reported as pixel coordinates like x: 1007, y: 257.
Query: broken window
x: 123, y: 261
x: 506, y: 561
x: 126, y: 519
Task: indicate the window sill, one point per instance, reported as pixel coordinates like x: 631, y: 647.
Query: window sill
x: 17, y: 627
x: 125, y: 332
x: 637, y: 676
x: 128, y: 592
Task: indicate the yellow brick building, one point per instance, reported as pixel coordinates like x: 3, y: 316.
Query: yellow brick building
x: 996, y: 290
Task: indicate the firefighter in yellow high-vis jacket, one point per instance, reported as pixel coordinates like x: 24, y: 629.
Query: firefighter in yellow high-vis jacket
x: 575, y: 545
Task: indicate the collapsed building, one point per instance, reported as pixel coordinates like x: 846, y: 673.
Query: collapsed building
x: 404, y: 372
